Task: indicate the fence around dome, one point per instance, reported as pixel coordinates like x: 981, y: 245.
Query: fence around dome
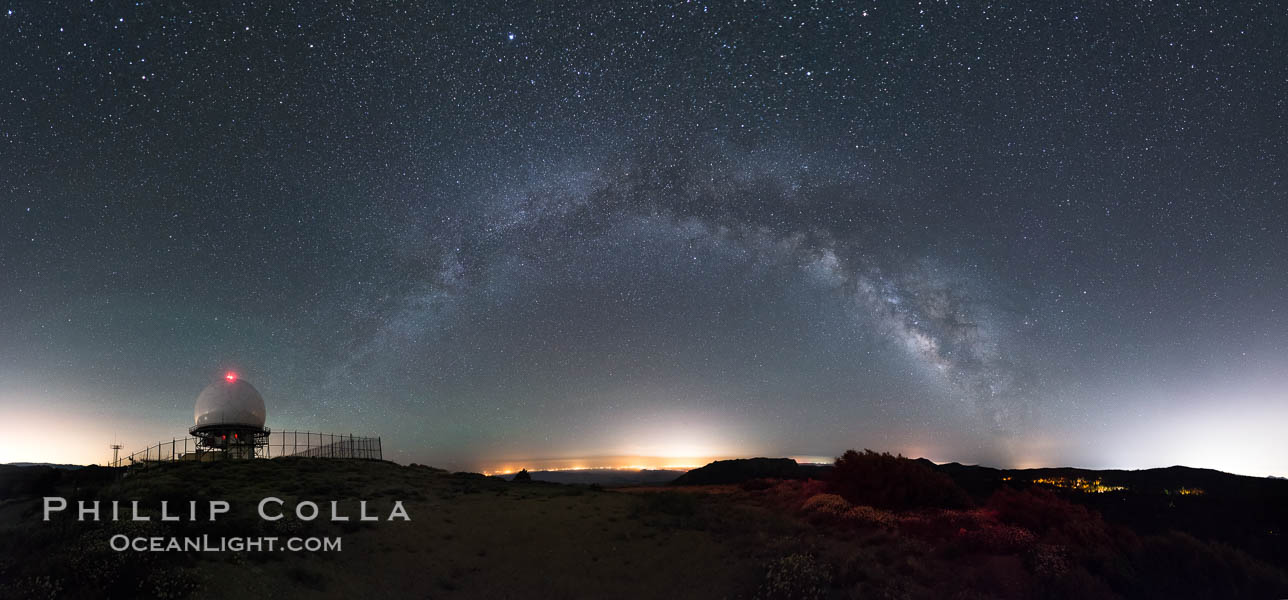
x: 280, y: 444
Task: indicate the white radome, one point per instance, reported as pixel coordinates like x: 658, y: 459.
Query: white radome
x: 230, y: 401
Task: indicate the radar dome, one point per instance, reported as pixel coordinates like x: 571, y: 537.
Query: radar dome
x: 230, y: 401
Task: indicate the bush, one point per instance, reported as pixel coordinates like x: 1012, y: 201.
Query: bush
x: 1178, y: 565
x: 795, y: 577
x: 827, y: 504
x: 1049, y: 561
x: 1052, y: 518
x: 833, y: 508
x: 522, y: 476
x: 867, y: 515
x: 998, y: 538
x: 939, y: 524
x: 893, y: 482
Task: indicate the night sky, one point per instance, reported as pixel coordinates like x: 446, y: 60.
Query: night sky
x: 1015, y: 234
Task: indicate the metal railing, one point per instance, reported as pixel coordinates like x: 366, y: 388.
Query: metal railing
x: 279, y: 444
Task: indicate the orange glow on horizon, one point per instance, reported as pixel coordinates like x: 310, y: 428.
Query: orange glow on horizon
x: 636, y: 463
x: 626, y: 462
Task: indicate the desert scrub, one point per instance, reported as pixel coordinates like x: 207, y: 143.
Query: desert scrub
x: 39, y: 586
x: 828, y: 504
x: 998, y: 538
x: 1049, y: 561
x: 795, y: 577
x: 169, y: 584
x: 832, y: 507
x: 867, y: 515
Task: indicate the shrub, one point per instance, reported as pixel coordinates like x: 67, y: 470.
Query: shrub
x: 795, y: 577
x: 1049, y: 561
x: 939, y: 524
x: 1054, y: 519
x: 893, y: 482
x: 998, y: 538
x: 827, y: 504
x: 522, y: 476
x: 1178, y: 565
x: 867, y: 515
x: 835, y: 509
x: 811, y: 487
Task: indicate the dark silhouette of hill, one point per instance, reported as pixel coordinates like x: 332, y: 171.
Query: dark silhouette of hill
x: 1155, y: 481
x: 746, y: 469
x: 18, y: 481
x: 1250, y: 513
x: 53, y: 465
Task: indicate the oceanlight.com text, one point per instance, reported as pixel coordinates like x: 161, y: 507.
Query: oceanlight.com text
x: 206, y: 543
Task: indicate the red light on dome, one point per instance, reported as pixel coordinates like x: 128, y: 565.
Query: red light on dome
x: 231, y: 376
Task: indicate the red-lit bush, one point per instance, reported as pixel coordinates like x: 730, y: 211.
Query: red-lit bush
x: 1052, y: 518
x: 893, y: 482
x: 998, y: 538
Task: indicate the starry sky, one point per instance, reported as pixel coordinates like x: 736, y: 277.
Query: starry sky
x: 1015, y: 234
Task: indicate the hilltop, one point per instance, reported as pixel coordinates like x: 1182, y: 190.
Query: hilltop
x: 744, y: 469
x: 908, y: 529
x: 470, y: 536
x: 51, y: 465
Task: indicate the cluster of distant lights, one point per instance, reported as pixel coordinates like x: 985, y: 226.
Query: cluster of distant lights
x: 1092, y: 486
x: 1096, y: 486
